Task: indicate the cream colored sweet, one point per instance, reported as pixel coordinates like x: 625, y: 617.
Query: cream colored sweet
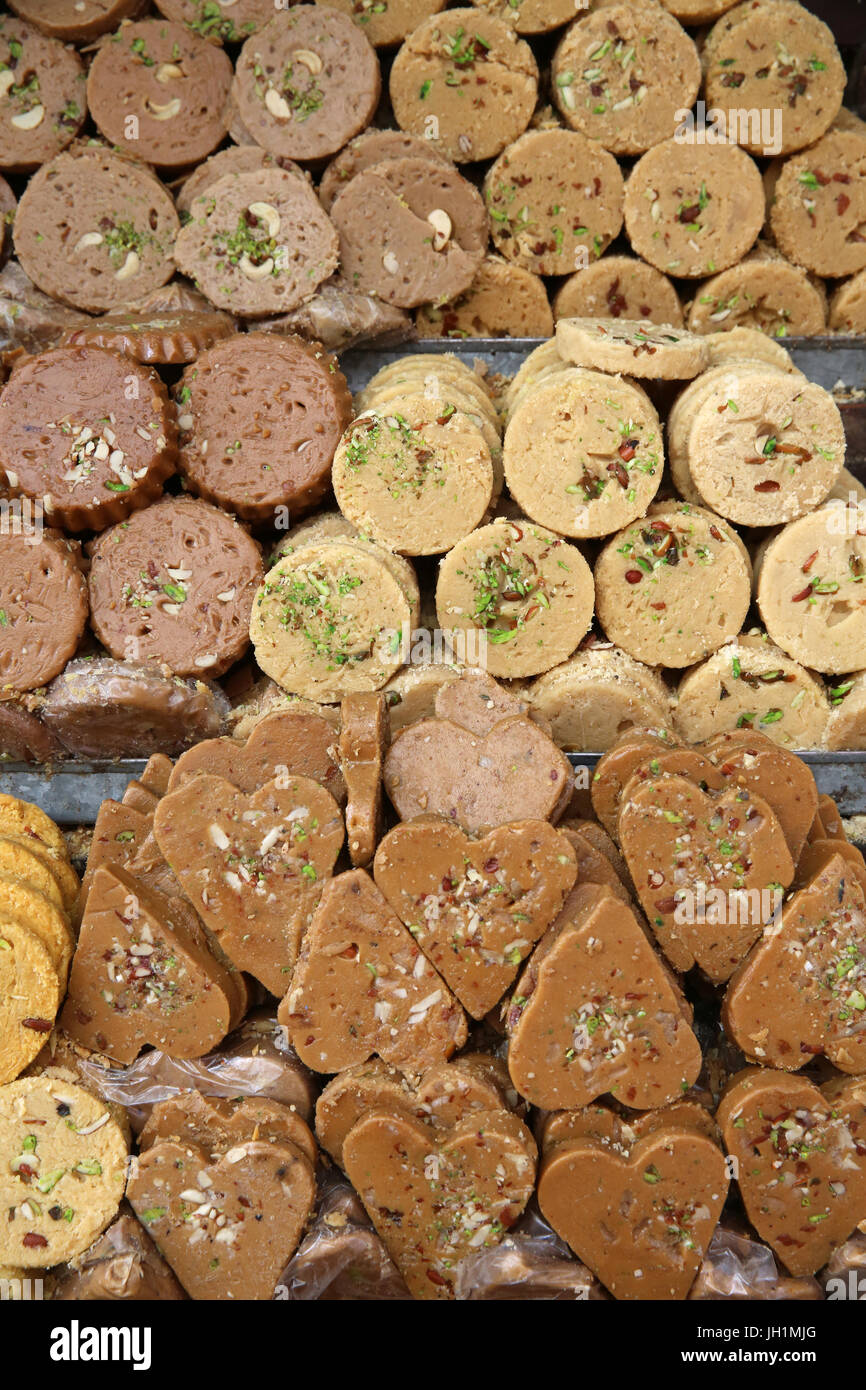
x: 848, y: 306
x: 424, y: 396
x: 817, y: 205
x: 555, y: 200
x: 540, y: 362
x: 583, y: 453
x: 809, y: 589
x: 751, y: 684
x: 386, y: 22
x: 674, y: 587
x: 846, y: 727
x: 765, y: 291
x: 773, y: 57
x: 328, y: 620
x: 329, y: 527
x: 526, y: 593
x: 432, y: 372
x: 619, y: 287
x: 413, y: 478
x: 411, y: 694
x: 622, y: 73
x: 530, y: 16
x: 769, y: 452
x: 503, y: 301
x: 697, y: 11
x: 653, y: 351
x: 749, y: 343
x: 598, y: 695
x: 470, y: 73
x: 692, y: 210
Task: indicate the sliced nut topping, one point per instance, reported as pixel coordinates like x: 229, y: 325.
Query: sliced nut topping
x: 7, y: 80
x: 390, y: 262
x: 130, y: 267
x: 441, y: 224
x: 310, y: 60
x: 89, y: 239
x: 277, y: 105
x: 268, y: 214
x: 185, y: 422
x: 253, y: 271
x: 29, y: 120
x: 165, y: 111
x: 166, y: 72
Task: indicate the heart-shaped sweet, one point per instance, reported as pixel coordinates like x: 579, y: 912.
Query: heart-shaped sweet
x: 477, y: 702
x: 216, y: 1125
x: 801, y: 1160
x: 119, y: 833
x: 596, y: 1011
x: 515, y: 772
x: 363, y: 985
x: 228, y: 1228
x: 817, y: 852
x: 708, y: 870
x: 365, y: 733
x: 283, y: 745
x: 143, y: 973
x: 639, y: 1212
x: 592, y: 865
x: 802, y: 990
x: 748, y: 758
x: 476, y: 907
x: 436, y: 1196
x: 445, y: 1094
x: 616, y: 767
x: 252, y: 865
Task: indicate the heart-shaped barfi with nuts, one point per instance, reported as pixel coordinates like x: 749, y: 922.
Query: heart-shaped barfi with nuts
x: 283, y: 745
x: 802, y: 989
x: 437, y: 1195
x: 651, y: 753
x: 709, y: 870
x: 748, y: 758
x: 476, y: 907
x: 252, y: 865
x: 438, y: 768
x: 597, y: 1011
x: 227, y: 1228
x: 637, y: 1202
x: 800, y: 1160
x: 216, y: 1124
x: 363, y: 985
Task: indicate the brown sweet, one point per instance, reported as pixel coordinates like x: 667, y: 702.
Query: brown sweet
x: 800, y: 993
x: 364, y: 737
x: 119, y: 833
x: 289, y: 743
x: 639, y: 1214
x: 227, y: 1228
x: 143, y: 973
x: 801, y: 1156
x: 616, y: 767
x: 593, y: 866
x: 123, y: 1264
x: 747, y: 758
x: 436, y: 767
x: 252, y: 864
x: 596, y: 1011
x: 477, y: 702
x: 217, y: 1125
x: 448, y: 1194
x: 476, y: 907
x: 362, y: 985
x: 708, y: 870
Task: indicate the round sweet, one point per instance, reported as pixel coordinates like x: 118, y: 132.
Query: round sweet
x: 432, y: 372
x: 306, y: 82
x: 386, y: 22
x: 583, y: 454
x: 43, y: 608
x: 623, y: 74
x: 260, y: 417
x: 96, y: 229
x: 373, y: 147
x: 77, y: 21
x: 503, y: 301
x: 846, y: 727
x: 159, y: 92
x: 773, y: 57
x: 636, y: 348
x: 217, y: 20
x: 697, y: 11
x: 817, y: 205
x: 175, y: 584
x: 693, y: 210
x: 674, y: 587
x: 106, y: 441
x: 529, y: 595
x: 414, y: 475
x: 411, y: 694
x: 598, y: 695
x: 43, y: 103
x: 848, y: 306
x: 30, y: 994
x: 751, y: 684
x: 546, y: 170
x: 329, y: 620
x: 765, y: 292
x: 746, y: 343
x: 619, y: 287
x: 325, y: 527
x: 466, y: 71
x: 530, y: 16
x: 809, y: 580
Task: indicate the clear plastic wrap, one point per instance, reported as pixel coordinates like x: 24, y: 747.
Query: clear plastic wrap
x: 738, y: 1267
x: 530, y: 1264
x: 341, y: 1259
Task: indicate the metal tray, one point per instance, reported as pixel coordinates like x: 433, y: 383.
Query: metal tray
x: 72, y: 792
